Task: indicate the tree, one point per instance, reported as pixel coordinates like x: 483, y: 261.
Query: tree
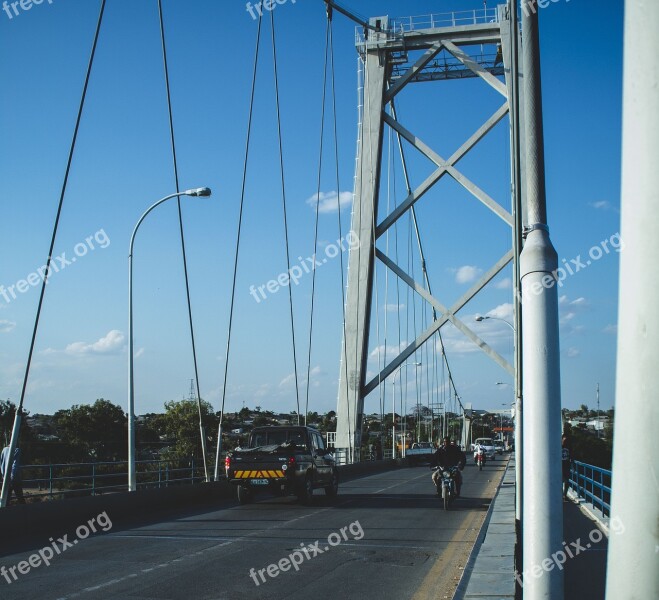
x: 25, y: 437
x: 181, y: 423
x: 584, y: 410
x: 96, y: 432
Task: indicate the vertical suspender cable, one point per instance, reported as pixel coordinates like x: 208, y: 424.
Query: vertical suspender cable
x: 19, y: 409
x: 202, y: 433
x: 283, y: 198
x: 315, y: 238
x: 237, y: 252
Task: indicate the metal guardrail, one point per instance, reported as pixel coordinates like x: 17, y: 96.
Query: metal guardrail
x: 593, y: 484
x: 400, y: 25
x: 452, y: 19
x: 77, y: 479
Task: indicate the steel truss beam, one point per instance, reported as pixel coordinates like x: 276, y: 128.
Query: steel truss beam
x: 381, y: 52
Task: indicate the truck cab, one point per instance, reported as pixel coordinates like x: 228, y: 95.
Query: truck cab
x: 282, y: 461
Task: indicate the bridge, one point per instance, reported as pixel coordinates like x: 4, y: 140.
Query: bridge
x: 510, y: 534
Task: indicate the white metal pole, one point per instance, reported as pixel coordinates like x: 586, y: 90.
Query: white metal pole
x: 632, y: 558
x: 542, y: 499
x: 132, y: 476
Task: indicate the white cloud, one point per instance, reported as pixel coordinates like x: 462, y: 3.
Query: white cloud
x: 394, y: 307
x: 393, y: 351
x: 6, y: 326
x: 302, y: 377
x: 327, y: 201
x: 572, y: 352
x: 108, y: 344
x: 504, y: 284
x: 503, y: 311
x: 467, y: 273
x: 568, y: 311
x: 613, y: 329
x: 603, y: 205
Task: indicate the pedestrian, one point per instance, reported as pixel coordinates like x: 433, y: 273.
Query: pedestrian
x: 13, y: 471
x: 566, y: 463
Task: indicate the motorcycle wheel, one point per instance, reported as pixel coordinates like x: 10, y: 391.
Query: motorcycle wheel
x: 445, y: 496
x: 480, y: 465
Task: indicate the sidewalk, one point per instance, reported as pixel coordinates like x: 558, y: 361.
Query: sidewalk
x: 490, y: 572
x: 585, y: 574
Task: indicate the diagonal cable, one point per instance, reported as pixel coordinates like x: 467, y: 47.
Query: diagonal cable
x: 180, y: 221
x: 14, y: 441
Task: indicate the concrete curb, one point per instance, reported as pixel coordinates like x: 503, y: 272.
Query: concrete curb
x: 594, y: 514
x: 493, y: 577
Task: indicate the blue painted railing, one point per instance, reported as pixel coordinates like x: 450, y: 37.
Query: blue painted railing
x: 593, y: 484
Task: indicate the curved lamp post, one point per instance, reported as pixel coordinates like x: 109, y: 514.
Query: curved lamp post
x: 497, y: 319
x: 518, y: 429
x: 132, y: 480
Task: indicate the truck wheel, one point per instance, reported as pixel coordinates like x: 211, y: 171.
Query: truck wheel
x: 305, y: 493
x: 333, y: 488
x: 245, y: 495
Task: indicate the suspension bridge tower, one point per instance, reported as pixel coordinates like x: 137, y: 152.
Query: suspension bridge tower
x: 395, y: 54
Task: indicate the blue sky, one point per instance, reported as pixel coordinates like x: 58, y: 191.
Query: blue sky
x: 123, y: 164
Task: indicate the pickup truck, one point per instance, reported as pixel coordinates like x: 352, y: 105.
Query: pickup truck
x: 283, y: 461
x: 420, y: 452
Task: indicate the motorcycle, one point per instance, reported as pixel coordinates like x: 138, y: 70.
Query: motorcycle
x: 445, y: 484
x: 479, y: 458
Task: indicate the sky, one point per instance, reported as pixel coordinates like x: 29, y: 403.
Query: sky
x: 122, y: 164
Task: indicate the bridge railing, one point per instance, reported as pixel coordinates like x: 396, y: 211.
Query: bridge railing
x: 592, y: 484
x: 401, y: 25
x: 452, y: 19
x: 82, y: 479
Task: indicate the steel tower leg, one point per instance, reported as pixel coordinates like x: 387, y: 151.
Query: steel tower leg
x: 634, y: 542
x: 361, y: 263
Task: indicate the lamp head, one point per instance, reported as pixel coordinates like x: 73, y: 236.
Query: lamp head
x: 198, y: 192
x: 480, y: 318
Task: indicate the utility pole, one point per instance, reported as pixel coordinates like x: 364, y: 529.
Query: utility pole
x: 632, y: 558
x: 542, y: 502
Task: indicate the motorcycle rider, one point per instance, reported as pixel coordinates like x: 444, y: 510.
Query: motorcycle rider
x: 479, y: 448
x: 448, y: 455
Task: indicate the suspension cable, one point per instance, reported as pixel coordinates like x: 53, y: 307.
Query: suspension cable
x: 283, y: 199
x: 317, y: 216
x: 183, y: 252
x: 19, y: 409
x: 240, y: 223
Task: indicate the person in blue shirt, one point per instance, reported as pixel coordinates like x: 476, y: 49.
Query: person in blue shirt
x: 12, y: 471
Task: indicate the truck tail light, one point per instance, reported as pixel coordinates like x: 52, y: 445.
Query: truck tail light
x: 227, y: 463
x: 291, y: 461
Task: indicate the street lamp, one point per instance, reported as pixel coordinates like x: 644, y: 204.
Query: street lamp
x: 481, y: 318
x: 518, y: 422
x: 132, y: 481
x: 393, y: 409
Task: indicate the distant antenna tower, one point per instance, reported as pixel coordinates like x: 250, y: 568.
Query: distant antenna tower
x: 192, y: 397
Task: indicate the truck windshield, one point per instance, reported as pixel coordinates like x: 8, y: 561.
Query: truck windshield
x: 271, y: 438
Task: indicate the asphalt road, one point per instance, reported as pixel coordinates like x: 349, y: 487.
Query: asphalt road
x: 385, y: 536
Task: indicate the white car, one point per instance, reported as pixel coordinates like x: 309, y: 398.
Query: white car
x: 488, y: 446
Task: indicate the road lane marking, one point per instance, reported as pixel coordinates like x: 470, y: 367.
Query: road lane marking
x: 229, y: 542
